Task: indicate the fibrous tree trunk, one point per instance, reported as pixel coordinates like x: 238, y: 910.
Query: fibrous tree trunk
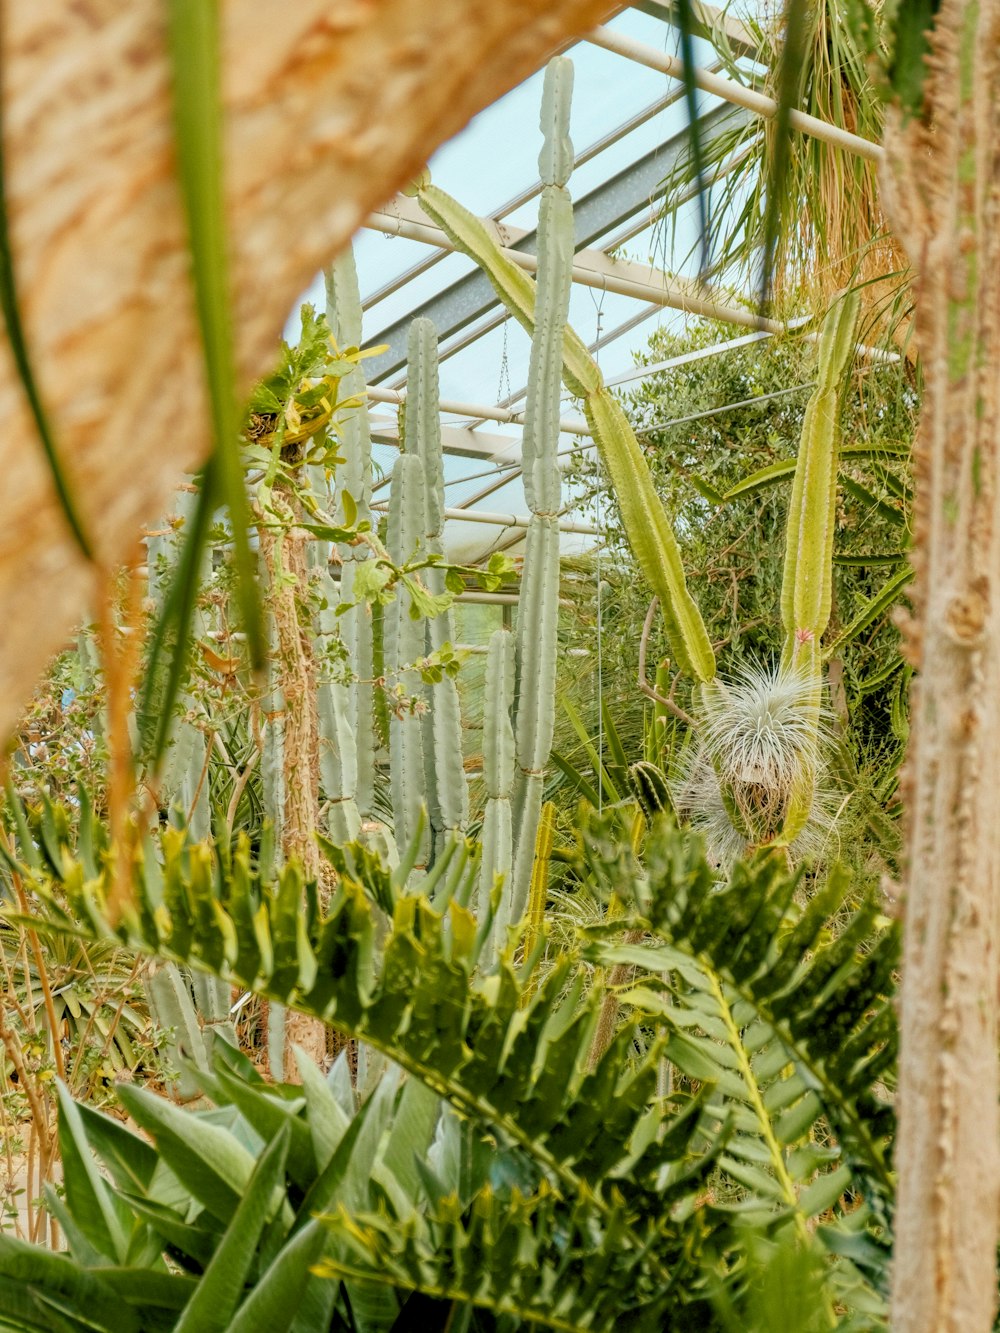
x: 284, y: 555
x: 330, y: 106
x: 942, y: 184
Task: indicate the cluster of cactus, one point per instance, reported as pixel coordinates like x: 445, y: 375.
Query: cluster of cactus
x: 425, y: 748
x: 743, y: 795
x: 427, y: 778
x: 755, y: 775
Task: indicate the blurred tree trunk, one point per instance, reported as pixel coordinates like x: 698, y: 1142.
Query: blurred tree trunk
x: 942, y: 186
x: 330, y: 108
x: 284, y: 555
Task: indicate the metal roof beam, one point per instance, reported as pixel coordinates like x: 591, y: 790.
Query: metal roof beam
x: 736, y: 93
x: 459, y: 441
x: 709, y: 23
x: 596, y: 214
x: 531, y: 192
x: 593, y: 268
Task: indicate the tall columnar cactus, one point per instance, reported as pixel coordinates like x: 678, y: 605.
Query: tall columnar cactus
x: 405, y: 638
x: 646, y: 524
x: 354, y: 479
x: 498, y: 766
x: 538, y: 615
x: 446, y: 784
x: 807, y: 582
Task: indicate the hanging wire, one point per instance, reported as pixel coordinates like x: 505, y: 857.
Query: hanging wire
x: 503, y: 380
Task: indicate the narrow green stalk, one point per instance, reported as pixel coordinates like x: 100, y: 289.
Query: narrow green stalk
x: 193, y: 36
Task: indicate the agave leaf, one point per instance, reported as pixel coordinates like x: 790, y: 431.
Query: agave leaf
x: 287, y: 1290
x: 100, y: 1215
x: 208, y: 1159
x: 63, y: 1285
x: 212, y: 1305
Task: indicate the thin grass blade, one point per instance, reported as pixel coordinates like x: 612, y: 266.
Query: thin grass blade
x: 193, y: 30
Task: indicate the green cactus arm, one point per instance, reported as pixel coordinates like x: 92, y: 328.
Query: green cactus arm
x: 343, y: 300
x: 537, y: 646
x: 646, y: 523
x: 446, y: 785
x: 498, y: 734
x: 338, y: 764
x: 514, y: 287
x: 422, y: 428
x: 497, y: 836
x: 807, y: 579
x: 650, y: 535
x: 540, y: 465
x: 404, y: 644
x: 443, y: 728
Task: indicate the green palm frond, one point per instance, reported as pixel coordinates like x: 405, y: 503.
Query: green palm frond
x: 791, y: 999
x: 811, y: 208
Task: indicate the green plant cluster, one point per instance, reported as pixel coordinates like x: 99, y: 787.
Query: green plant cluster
x: 625, y: 1202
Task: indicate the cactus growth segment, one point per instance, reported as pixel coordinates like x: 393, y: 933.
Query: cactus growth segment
x: 538, y: 615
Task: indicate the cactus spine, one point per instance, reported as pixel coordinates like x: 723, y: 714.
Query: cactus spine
x: 538, y: 615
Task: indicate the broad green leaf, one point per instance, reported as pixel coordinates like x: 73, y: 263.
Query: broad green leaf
x: 277, y: 1297
x: 209, y: 1160
x: 95, y: 1208
x: 211, y: 1308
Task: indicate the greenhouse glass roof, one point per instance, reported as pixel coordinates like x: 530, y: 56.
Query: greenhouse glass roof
x: 629, y: 128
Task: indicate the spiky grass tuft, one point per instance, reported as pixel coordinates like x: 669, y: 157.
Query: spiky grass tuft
x: 764, y: 733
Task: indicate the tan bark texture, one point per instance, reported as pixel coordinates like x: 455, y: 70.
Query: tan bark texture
x: 284, y: 556
x: 331, y: 106
x: 941, y: 183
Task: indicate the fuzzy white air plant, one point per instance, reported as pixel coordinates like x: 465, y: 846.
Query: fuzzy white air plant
x: 762, y: 740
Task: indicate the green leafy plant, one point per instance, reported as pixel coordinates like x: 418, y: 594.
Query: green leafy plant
x: 777, y: 1026
x: 213, y: 1223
